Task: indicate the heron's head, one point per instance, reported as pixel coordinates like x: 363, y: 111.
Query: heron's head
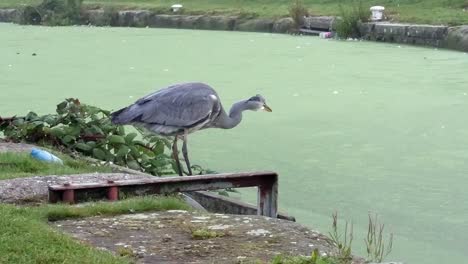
x: 257, y: 102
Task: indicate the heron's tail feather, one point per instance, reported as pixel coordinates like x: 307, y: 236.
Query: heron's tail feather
x: 123, y: 116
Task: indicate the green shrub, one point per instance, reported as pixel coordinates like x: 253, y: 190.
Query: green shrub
x: 30, y: 15
x: 347, y: 25
x: 297, y: 11
x: 53, y: 13
x: 88, y: 130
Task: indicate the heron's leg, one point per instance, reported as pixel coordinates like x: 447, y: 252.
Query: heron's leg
x: 184, y: 151
x: 175, y: 156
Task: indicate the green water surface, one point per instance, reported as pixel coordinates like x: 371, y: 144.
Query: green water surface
x: 356, y: 127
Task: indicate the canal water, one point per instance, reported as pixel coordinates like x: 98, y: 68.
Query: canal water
x: 356, y: 127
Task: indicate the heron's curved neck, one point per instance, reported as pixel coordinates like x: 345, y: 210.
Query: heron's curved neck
x: 234, y: 117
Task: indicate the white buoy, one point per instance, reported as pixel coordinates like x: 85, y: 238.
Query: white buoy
x: 176, y: 7
x: 377, y: 13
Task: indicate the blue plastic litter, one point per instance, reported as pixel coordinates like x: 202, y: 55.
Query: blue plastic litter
x: 46, y: 156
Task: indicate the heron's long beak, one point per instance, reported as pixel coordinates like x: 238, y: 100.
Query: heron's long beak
x: 267, y: 108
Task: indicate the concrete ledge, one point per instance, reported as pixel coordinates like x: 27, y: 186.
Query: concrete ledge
x: 319, y: 22
x: 427, y: 35
x: 221, y: 204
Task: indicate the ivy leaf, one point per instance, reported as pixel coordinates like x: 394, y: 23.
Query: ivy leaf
x: 130, y: 137
x: 159, y: 148
x: 99, y: 154
x: 83, y: 146
x: 91, y: 144
x: 123, y: 150
x: 133, y: 165
x: 67, y: 139
x: 115, y: 139
x: 57, y: 132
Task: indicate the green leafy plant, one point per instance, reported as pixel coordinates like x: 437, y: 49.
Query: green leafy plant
x: 53, y: 13
x: 347, y: 25
x: 203, y: 233
x: 88, y: 130
x: 377, y: 250
x: 297, y: 11
x: 341, y: 241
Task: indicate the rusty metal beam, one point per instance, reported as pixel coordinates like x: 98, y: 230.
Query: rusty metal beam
x: 266, y: 181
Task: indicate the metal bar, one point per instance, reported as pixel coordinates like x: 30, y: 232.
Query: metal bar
x: 112, y: 192
x: 266, y: 181
x: 69, y: 196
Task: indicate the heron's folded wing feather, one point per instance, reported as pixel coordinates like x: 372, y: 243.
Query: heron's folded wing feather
x: 181, y: 106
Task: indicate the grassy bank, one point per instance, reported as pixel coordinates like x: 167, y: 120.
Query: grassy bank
x: 448, y: 12
x: 25, y: 236
x: 16, y: 165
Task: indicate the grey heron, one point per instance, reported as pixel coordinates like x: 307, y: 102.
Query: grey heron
x: 184, y: 108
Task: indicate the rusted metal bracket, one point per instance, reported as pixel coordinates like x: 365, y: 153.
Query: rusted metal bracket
x: 266, y: 181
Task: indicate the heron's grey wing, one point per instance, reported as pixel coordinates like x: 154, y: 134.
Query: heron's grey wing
x: 180, y: 105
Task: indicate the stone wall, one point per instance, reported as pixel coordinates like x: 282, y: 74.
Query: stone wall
x: 8, y: 15
x: 143, y: 18
x: 457, y: 38
x: 427, y: 35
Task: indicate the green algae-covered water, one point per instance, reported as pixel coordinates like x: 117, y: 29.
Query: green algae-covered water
x: 356, y: 127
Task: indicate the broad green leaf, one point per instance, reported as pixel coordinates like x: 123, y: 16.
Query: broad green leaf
x: 145, y: 158
x: 67, y: 139
x: 57, y: 131
x: 99, y: 154
x: 18, y: 121
x: 121, y: 130
x: 130, y: 137
x: 73, y: 130
x: 133, y: 165
x: 123, y: 150
x: 61, y: 107
x: 97, y: 129
x: 83, y: 146
x: 50, y: 119
x: 91, y: 144
x: 159, y: 148
x: 31, y: 116
x: 115, y: 139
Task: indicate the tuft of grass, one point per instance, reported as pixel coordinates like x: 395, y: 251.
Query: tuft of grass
x: 342, y: 242
x: 25, y: 236
x: 377, y: 250
x: 16, y: 165
x: 125, y: 252
x: 297, y: 11
x: 203, y: 233
x: 133, y: 205
x: 347, y: 26
x: 314, y: 258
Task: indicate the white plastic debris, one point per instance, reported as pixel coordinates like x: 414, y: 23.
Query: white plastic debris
x: 258, y: 232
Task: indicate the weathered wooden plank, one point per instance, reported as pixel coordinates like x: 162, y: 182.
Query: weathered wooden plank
x: 266, y: 181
